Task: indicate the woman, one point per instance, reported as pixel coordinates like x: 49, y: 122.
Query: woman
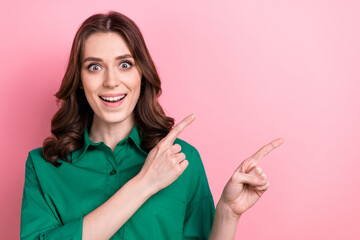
x: 114, y: 167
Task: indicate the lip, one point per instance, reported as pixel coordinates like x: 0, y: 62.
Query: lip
x: 113, y: 104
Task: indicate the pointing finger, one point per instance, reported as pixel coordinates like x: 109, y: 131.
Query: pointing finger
x: 257, y: 171
x: 267, y: 149
x: 172, y: 135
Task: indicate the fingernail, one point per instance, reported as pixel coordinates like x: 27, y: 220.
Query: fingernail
x: 193, y: 116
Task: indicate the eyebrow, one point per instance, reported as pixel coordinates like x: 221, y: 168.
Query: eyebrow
x: 99, y: 59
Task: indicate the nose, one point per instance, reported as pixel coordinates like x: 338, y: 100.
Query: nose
x: 111, y: 79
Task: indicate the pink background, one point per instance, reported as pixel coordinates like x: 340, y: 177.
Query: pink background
x: 251, y: 70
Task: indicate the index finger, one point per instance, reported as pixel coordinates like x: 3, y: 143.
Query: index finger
x: 172, y: 135
x: 267, y: 149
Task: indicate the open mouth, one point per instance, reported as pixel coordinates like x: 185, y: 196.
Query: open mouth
x: 113, y: 99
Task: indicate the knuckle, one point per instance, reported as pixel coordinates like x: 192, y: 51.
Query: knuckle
x: 168, y: 153
x: 246, y: 161
x: 182, y: 155
x: 178, y: 146
x: 250, y: 160
x: 264, y: 188
x: 235, y: 177
x: 250, y: 165
x: 243, y: 167
x: 178, y: 169
x: 161, y: 144
x: 156, y: 148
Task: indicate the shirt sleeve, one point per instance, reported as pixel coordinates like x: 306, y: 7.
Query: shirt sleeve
x: 200, y: 211
x: 39, y: 219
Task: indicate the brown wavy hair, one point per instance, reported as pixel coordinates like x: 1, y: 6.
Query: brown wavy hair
x: 75, y: 114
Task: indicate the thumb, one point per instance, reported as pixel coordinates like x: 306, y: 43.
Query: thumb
x: 250, y: 179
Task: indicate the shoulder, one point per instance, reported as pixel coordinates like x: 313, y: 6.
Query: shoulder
x: 36, y: 153
x: 184, y: 145
x: 35, y: 159
x: 191, y: 153
x: 37, y: 170
x: 187, y: 148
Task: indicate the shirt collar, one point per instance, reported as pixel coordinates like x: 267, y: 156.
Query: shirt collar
x: 78, y: 154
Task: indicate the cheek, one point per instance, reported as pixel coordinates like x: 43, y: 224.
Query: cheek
x: 134, y: 82
x: 135, y: 87
x: 90, y: 84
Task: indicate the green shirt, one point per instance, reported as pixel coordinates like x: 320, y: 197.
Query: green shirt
x: 55, y: 200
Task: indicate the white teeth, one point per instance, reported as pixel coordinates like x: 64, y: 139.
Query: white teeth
x: 113, y: 99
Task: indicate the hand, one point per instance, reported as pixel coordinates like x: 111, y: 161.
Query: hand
x: 165, y: 163
x: 248, y: 183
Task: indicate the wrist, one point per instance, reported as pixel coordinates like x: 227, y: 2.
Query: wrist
x: 146, y: 187
x: 225, y: 210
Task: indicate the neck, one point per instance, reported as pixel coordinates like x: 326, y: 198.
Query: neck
x: 110, y: 133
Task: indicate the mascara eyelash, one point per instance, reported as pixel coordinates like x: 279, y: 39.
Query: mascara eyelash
x: 128, y: 62
x: 92, y: 64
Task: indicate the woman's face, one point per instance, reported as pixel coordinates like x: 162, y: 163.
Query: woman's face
x: 110, y: 78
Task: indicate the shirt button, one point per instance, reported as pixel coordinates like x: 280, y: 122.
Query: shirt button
x: 113, y: 172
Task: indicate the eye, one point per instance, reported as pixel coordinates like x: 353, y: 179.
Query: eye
x: 126, y: 64
x: 94, y: 67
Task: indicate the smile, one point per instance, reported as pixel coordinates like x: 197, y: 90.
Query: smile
x: 113, y: 99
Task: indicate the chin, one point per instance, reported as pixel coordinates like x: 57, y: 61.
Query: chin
x: 113, y: 118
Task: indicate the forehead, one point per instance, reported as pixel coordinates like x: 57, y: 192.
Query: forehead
x: 105, y: 45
